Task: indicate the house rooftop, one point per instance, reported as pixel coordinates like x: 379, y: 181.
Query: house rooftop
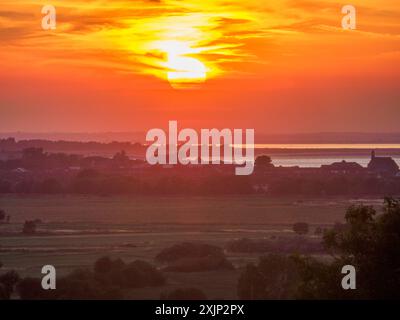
x: 382, y: 164
x: 343, y: 166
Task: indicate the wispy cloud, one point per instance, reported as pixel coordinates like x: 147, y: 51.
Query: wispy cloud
x: 123, y: 34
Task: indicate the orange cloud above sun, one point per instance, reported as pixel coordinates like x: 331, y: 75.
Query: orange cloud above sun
x: 194, y: 40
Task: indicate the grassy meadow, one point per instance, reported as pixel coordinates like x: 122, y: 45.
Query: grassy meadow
x: 76, y: 230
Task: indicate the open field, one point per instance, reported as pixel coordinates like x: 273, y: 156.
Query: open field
x: 177, y: 210
x: 77, y: 230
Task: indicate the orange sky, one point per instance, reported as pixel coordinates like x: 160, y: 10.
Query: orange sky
x: 276, y: 66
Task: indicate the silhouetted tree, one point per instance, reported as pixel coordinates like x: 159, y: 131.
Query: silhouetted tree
x: 107, y: 280
x: 275, y: 277
x: 79, y: 285
x: 103, y: 265
x: 368, y: 242
x: 263, y: 161
x: 139, y: 274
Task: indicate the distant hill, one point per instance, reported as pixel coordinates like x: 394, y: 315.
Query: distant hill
x: 106, y: 137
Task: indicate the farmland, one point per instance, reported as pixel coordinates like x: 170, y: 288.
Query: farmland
x: 75, y: 231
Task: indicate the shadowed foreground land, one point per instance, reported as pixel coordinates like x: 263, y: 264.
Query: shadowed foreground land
x: 177, y: 210
x: 75, y: 231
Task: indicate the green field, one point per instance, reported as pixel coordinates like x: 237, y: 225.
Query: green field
x: 77, y: 230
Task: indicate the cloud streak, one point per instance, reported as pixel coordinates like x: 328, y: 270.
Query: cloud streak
x: 229, y: 36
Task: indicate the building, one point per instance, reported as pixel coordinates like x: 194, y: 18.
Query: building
x: 382, y: 165
x: 343, y: 167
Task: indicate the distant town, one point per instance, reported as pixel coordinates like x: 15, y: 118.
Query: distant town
x: 35, y: 166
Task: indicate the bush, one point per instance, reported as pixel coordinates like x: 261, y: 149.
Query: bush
x: 105, y: 264
x: 80, y: 285
x: 107, y: 281
x: 199, y: 264
x: 136, y: 274
x: 275, y: 277
x: 140, y: 274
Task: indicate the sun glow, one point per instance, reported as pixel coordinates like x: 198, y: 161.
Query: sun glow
x: 182, y: 68
x: 189, y: 47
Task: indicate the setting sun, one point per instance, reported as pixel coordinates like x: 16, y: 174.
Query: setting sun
x: 182, y: 69
x: 127, y: 64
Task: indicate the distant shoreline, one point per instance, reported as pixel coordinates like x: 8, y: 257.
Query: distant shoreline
x: 260, y: 137
x: 282, y: 154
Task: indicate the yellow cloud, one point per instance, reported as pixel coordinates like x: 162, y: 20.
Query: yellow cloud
x: 227, y: 37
